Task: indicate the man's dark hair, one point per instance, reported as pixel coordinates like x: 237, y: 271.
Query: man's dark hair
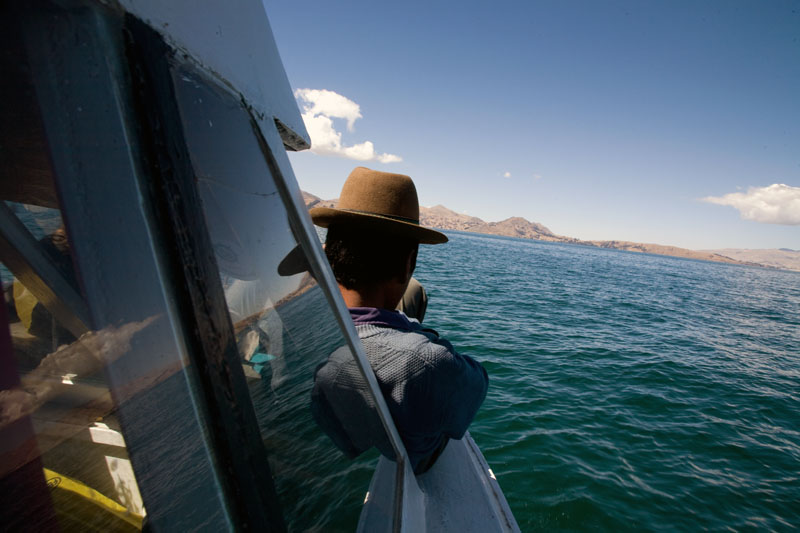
x: 361, y: 258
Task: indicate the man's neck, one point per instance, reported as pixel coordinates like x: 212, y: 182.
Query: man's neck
x: 382, y: 296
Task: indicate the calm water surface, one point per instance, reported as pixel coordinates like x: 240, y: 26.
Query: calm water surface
x: 628, y: 391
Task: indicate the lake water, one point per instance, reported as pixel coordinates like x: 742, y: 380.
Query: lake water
x: 627, y: 391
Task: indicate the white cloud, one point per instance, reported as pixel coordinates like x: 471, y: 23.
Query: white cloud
x: 507, y: 175
x: 320, y: 107
x: 775, y: 204
x: 537, y: 177
x: 329, y: 103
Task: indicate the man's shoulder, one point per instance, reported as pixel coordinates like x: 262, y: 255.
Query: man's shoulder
x: 410, y: 352
x: 414, y: 338
x: 339, y: 368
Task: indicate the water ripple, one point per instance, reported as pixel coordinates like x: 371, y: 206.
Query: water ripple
x: 628, y: 391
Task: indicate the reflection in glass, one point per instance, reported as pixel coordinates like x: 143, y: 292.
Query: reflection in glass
x: 284, y: 325
x: 56, y: 415
x: 93, y: 378
x: 45, y: 226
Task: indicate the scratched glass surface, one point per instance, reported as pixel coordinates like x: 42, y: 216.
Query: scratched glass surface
x: 283, y: 324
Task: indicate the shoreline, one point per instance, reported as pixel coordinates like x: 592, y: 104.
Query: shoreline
x: 442, y: 218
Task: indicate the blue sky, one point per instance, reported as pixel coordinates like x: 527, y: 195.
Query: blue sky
x: 665, y: 122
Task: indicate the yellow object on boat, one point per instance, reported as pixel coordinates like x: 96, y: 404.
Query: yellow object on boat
x: 82, y: 504
x: 24, y: 302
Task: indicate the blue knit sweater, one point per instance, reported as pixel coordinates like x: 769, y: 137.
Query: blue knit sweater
x: 431, y: 390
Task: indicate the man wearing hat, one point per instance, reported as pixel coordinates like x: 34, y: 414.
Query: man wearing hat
x: 432, y: 391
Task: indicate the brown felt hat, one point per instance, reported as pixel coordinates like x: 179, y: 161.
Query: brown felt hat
x: 380, y: 201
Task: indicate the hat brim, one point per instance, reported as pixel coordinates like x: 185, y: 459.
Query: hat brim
x: 295, y: 262
x: 325, y: 216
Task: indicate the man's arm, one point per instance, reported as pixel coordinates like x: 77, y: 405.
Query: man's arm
x: 414, y: 301
x: 460, y: 388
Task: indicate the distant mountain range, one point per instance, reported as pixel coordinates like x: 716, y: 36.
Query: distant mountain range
x: 443, y: 218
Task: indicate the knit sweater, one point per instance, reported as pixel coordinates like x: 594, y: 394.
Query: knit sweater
x: 432, y: 391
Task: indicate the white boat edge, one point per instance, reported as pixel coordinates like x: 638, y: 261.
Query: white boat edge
x: 459, y: 493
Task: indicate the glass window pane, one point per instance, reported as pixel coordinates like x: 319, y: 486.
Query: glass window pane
x: 99, y: 423
x: 57, y: 418
x: 284, y: 325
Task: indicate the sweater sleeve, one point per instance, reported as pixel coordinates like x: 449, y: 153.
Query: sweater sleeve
x: 461, y: 387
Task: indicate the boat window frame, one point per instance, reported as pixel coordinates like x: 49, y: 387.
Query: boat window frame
x: 75, y: 54
x: 248, y: 484
x: 268, y: 132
